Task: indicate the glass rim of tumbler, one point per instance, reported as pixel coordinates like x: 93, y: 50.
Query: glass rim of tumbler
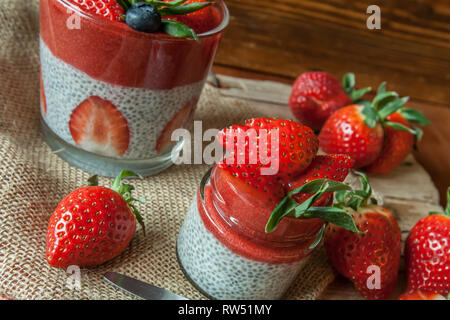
x: 119, y: 25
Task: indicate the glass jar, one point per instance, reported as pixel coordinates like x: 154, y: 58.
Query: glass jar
x: 112, y: 96
x: 224, y: 250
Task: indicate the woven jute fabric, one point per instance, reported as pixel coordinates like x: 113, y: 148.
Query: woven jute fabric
x: 34, y: 180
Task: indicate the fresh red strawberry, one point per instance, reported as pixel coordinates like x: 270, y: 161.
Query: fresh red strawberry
x: 421, y: 295
x: 92, y: 225
x: 359, y: 130
x: 179, y: 120
x: 43, y: 99
x: 353, y: 255
x: 110, y: 9
x: 334, y: 167
x: 427, y: 253
x: 345, y: 132
x: 317, y: 95
x: 200, y: 21
x: 398, y: 144
x: 295, y: 146
x: 98, y: 126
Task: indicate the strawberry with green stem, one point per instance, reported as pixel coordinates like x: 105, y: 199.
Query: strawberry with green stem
x: 370, y: 260
x: 427, y: 253
x: 316, y: 95
x: 93, y: 224
x: 359, y: 130
x: 334, y: 167
x: 359, y: 234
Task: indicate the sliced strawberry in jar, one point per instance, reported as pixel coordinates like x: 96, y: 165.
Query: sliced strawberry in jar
x: 179, y: 120
x: 98, y: 126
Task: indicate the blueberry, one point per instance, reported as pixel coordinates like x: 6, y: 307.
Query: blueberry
x: 143, y: 17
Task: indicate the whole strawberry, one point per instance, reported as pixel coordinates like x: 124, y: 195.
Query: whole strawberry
x: 346, y: 132
x: 421, y: 295
x: 317, y: 95
x: 370, y: 260
x: 427, y: 253
x: 398, y: 144
x: 92, y: 224
x: 359, y: 130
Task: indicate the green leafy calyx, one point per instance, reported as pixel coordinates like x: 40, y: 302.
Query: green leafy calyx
x: 386, y: 103
x: 347, y: 199
x: 288, y: 207
x: 125, y: 191
x: 171, y: 8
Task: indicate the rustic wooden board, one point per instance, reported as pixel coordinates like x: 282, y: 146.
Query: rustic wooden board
x: 408, y: 191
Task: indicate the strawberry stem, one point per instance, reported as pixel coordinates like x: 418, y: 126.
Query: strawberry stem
x: 447, y: 208
x: 124, y: 4
x: 125, y: 191
x: 348, y: 83
x: 386, y: 103
x: 347, y: 199
x: 93, y: 181
x: 289, y: 207
x: 184, y: 9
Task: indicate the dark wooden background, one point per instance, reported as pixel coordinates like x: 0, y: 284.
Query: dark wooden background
x: 279, y: 39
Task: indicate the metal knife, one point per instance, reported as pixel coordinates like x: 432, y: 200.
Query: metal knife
x: 139, y: 288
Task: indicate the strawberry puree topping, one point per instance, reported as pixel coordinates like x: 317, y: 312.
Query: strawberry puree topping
x: 111, y: 51
x: 240, y: 224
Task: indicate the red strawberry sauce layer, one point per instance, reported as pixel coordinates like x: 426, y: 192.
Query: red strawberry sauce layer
x: 112, y: 52
x: 238, y: 222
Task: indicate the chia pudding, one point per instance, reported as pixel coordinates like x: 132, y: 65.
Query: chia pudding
x: 112, y: 96
x: 224, y: 250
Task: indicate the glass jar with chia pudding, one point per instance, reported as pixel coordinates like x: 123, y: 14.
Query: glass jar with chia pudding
x: 224, y: 250
x: 111, y: 96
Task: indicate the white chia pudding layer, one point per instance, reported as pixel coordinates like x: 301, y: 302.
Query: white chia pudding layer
x: 223, y: 274
x: 146, y: 111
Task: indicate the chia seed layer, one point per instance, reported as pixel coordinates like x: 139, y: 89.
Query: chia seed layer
x: 222, y: 274
x: 146, y: 111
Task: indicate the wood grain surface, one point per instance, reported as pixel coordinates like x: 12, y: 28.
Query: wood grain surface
x: 286, y: 37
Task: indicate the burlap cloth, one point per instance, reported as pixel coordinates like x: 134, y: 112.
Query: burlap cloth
x: 34, y: 180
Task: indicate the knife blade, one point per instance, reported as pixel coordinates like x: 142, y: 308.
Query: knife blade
x: 139, y: 288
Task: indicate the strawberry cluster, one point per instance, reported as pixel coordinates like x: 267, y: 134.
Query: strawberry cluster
x: 377, y: 135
